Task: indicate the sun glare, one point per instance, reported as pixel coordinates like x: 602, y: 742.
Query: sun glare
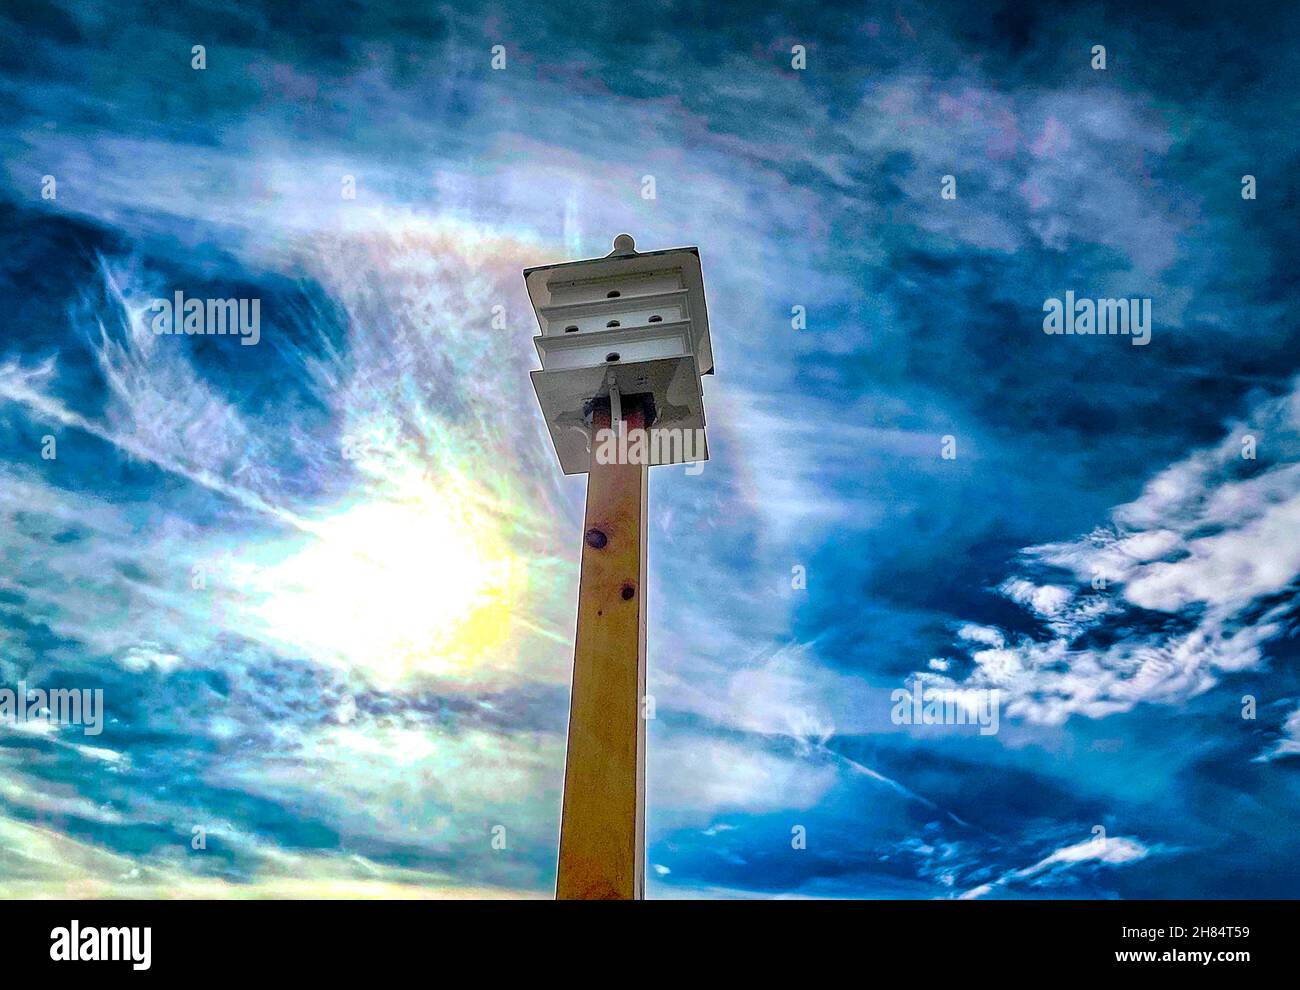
x: 396, y: 590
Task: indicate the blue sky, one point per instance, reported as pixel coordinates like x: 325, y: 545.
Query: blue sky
x: 326, y: 583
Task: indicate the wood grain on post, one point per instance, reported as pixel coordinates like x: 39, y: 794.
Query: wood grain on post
x: 602, y: 825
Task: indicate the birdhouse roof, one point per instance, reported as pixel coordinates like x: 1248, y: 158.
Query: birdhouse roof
x: 543, y: 278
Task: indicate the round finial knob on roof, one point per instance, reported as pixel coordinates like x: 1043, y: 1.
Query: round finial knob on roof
x: 624, y: 244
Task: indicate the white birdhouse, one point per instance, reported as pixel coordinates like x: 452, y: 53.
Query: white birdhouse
x: 631, y: 323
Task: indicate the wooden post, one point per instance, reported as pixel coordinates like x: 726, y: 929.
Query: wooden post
x: 602, y: 825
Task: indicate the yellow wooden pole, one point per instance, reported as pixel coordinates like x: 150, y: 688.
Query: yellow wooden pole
x: 602, y: 825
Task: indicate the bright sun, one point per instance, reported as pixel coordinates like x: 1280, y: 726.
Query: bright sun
x: 396, y: 589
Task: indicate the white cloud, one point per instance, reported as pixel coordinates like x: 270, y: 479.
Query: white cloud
x: 697, y: 775
x: 981, y: 634
x: 1108, y: 851
x: 1210, y: 539
x: 1099, y: 850
x: 1046, y: 600
x: 1289, y: 744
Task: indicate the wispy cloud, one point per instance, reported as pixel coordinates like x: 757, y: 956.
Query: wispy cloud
x: 1207, y: 544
